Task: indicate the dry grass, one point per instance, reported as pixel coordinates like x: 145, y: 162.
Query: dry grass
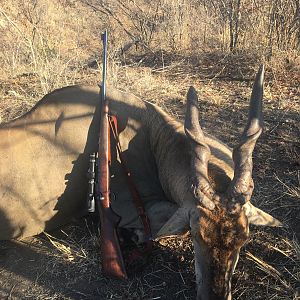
x: 53, y: 44
x: 56, y: 44
x: 292, y: 191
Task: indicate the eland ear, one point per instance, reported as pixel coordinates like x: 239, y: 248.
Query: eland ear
x: 258, y: 217
x: 178, y: 224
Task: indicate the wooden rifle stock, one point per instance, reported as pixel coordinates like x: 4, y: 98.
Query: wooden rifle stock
x: 112, y: 260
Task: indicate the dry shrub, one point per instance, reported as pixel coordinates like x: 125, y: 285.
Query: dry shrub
x: 47, y: 39
x: 55, y: 40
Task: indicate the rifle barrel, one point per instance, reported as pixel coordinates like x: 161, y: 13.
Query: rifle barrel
x: 104, y: 38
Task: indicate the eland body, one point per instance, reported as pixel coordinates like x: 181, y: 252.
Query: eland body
x: 188, y: 180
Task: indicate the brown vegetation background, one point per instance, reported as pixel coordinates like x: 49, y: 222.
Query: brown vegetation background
x: 156, y: 50
x: 46, y: 45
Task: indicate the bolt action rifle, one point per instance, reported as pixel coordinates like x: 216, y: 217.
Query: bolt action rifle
x: 112, y: 260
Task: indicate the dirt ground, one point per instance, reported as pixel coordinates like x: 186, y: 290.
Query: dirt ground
x: 65, y: 264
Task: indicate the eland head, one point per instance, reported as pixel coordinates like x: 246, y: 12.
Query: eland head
x: 219, y: 220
